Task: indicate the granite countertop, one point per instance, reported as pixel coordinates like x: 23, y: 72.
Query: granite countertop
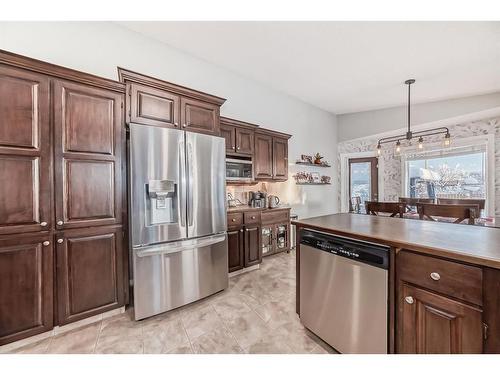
x: 467, y: 243
x: 250, y: 208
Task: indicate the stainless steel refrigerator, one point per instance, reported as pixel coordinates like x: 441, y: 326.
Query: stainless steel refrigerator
x: 177, y: 217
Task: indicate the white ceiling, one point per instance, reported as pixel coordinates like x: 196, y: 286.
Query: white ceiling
x: 347, y: 67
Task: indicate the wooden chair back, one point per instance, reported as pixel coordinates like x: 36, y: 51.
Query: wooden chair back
x: 392, y: 208
x: 462, y: 201
x: 412, y: 202
x: 458, y: 212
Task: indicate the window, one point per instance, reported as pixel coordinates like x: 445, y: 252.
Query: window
x: 447, y: 175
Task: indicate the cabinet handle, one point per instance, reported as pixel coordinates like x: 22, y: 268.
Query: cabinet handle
x: 60, y: 240
x: 43, y: 224
x: 59, y: 222
x: 485, y: 331
x: 409, y: 300
x: 435, y: 276
x: 46, y: 243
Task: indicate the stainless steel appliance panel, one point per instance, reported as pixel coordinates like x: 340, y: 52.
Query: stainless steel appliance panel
x: 158, y: 195
x: 344, y: 301
x: 206, y: 192
x: 171, y: 275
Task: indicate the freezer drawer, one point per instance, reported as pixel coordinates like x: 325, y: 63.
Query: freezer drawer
x: 171, y: 275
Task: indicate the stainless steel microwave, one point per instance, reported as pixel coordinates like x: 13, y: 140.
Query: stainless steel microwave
x: 239, y: 169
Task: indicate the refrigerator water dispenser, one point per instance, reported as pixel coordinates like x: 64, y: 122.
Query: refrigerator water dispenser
x: 161, y: 202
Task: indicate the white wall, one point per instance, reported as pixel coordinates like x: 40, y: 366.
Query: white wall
x: 362, y: 124
x: 98, y: 48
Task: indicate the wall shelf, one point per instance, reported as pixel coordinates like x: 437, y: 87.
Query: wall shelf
x: 313, y: 165
x: 313, y: 183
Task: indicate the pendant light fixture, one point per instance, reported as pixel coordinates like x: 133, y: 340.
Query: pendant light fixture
x: 397, y: 139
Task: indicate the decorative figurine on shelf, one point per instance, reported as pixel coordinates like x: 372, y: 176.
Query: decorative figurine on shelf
x: 326, y: 179
x: 317, y: 158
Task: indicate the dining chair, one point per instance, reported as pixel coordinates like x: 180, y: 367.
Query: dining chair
x: 466, y: 201
x: 412, y: 202
x: 458, y: 212
x: 355, y: 205
x: 392, y: 208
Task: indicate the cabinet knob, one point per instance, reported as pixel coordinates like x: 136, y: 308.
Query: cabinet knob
x: 184, y: 125
x: 253, y: 217
x: 233, y: 220
x: 46, y: 243
x: 435, y: 276
x: 60, y: 240
x: 234, y: 148
x: 59, y: 222
x: 409, y: 300
x: 43, y: 224
x: 238, y: 147
x: 176, y: 124
x: 241, y: 230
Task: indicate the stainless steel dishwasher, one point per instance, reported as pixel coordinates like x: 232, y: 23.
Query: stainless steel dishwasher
x: 344, y: 291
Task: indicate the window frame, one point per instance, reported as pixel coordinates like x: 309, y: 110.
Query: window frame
x: 487, y: 141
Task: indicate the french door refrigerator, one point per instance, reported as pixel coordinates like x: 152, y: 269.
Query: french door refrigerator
x: 177, y: 217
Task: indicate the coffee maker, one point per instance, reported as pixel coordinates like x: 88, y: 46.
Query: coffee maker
x: 258, y: 199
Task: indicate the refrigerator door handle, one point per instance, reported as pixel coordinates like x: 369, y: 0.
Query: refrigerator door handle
x: 182, y: 178
x: 175, y: 247
x: 190, y: 178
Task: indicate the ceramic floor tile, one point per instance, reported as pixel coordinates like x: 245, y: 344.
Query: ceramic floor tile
x: 162, y: 336
x: 80, y: 341
x: 268, y: 344
x: 119, y: 345
x: 184, y: 349
x: 122, y: 326
x: 39, y: 347
x: 218, y: 341
x: 200, y: 321
x: 231, y: 307
x: 247, y: 329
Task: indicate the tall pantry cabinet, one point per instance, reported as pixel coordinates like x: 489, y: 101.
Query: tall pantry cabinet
x: 62, y: 196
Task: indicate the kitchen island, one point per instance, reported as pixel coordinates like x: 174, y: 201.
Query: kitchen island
x: 443, y: 283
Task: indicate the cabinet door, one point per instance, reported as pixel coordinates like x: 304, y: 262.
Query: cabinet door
x: 88, y: 155
x: 89, y: 272
x: 25, y: 152
x: 26, y: 288
x: 433, y: 324
x: 150, y: 106
x: 235, y: 246
x: 244, y: 141
x: 263, y: 156
x: 253, y: 249
x: 199, y: 116
x: 267, y: 242
x: 280, y: 159
x: 229, y: 134
x: 281, y: 237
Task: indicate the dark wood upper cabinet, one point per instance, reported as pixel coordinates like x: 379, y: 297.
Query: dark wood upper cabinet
x: 244, y: 141
x: 151, y: 101
x: 88, y: 155
x: 90, y: 272
x: 151, y: 106
x: 26, y: 286
x: 25, y: 152
x: 434, y: 324
x: 263, y: 158
x: 271, y: 155
x: 229, y: 134
x: 200, y: 117
x: 280, y: 158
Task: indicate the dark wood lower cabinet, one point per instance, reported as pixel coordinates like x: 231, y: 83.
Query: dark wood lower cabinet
x: 89, y: 272
x: 430, y: 323
x: 235, y: 245
x: 253, y: 248
x: 26, y: 286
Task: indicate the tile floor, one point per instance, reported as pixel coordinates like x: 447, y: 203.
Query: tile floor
x: 256, y: 314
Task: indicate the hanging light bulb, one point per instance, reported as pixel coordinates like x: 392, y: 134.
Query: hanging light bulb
x: 379, y: 149
x: 447, y: 139
x: 420, y: 143
x: 398, y: 147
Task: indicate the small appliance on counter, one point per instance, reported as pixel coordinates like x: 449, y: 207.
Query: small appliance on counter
x: 273, y: 201
x: 258, y: 199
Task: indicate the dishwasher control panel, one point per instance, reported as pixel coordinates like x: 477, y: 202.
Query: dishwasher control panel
x: 366, y: 252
